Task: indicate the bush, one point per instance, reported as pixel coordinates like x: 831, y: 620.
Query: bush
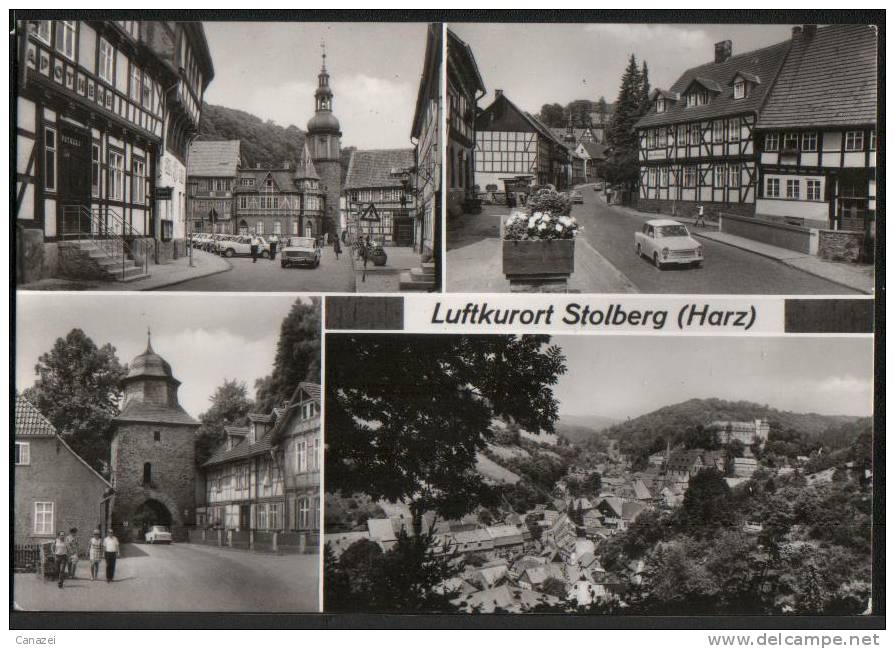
x: 549, y: 200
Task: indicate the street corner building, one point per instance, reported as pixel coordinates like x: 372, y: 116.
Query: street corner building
x: 778, y: 143
x: 464, y: 88
x: 262, y: 487
x: 105, y: 111
x: 55, y: 489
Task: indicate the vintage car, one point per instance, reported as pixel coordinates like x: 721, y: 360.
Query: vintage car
x: 158, y: 534
x: 667, y: 242
x: 242, y: 245
x: 300, y: 251
x: 576, y: 196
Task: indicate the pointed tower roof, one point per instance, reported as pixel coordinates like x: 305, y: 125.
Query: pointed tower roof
x: 323, y: 120
x: 150, y: 365
x: 305, y: 170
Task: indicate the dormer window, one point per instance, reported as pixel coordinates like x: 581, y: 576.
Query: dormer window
x: 660, y: 105
x: 739, y: 89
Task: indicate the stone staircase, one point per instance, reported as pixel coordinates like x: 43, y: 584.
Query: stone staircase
x: 85, y: 259
x: 418, y: 279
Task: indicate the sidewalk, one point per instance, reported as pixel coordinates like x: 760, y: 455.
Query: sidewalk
x: 160, y: 275
x: 384, y: 279
x: 475, y: 259
x: 858, y: 277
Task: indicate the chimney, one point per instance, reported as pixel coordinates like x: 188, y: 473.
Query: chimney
x: 498, y: 93
x: 796, y: 31
x: 809, y: 30
x: 723, y: 50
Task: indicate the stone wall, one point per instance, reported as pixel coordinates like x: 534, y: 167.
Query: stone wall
x: 75, y: 263
x: 690, y: 208
x: 173, y: 469
x: 840, y: 245
x: 791, y: 237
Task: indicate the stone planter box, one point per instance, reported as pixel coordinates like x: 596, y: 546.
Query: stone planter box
x: 539, y: 265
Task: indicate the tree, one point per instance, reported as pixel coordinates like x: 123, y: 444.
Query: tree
x: 623, y: 167
x: 78, y: 390
x: 644, y: 89
x: 553, y: 115
x: 707, y: 503
x: 407, y: 415
x: 297, y: 359
x: 594, y: 483
x: 700, y: 437
x: 230, y: 405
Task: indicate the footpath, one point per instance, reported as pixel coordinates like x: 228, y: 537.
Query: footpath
x: 858, y: 277
x: 170, y: 273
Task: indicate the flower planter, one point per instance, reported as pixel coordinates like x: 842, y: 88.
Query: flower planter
x: 538, y: 266
x: 379, y: 259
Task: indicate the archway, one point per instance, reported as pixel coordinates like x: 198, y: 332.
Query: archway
x: 151, y: 512
x: 243, y: 227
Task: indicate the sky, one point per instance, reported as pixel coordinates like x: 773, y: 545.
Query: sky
x: 627, y: 376
x: 205, y: 337
x: 270, y: 70
x: 536, y: 64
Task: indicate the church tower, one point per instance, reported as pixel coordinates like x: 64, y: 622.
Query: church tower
x: 324, y: 134
x: 153, y: 452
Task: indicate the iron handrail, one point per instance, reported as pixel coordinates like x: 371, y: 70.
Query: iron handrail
x: 113, y: 236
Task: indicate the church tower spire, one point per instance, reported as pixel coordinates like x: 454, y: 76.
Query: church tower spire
x: 324, y: 145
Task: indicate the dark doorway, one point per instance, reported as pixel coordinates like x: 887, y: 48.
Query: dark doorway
x: 245, y: 517
x: 150, y: 513
x: 403, y: 231
x: 73, y: 208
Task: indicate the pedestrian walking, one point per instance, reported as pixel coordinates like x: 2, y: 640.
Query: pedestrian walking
x: 700, y: 215
x: 94, y: 554
x: 74, y: 550
x: 274, y: 241
x: 337, y: 247
x: 60, y: 556
x: 110, y: 549
x: 254, y: 242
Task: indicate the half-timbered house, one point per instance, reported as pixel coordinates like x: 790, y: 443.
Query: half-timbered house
x: 213, y: 170
x: 374, y: 179
x: 464, y: 88
x: 697, y: 142
x: 818, y: 131
x: 105, y: 111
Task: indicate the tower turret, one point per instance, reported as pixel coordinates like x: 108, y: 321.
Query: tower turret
x: 324, y: 145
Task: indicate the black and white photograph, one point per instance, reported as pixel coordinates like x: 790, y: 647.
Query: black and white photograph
x: 228, y: 156
x: 167, y: 459
x: 661, y: 158
x: 598, y: 475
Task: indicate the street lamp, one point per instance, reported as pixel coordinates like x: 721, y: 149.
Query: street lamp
x: 191, y: 188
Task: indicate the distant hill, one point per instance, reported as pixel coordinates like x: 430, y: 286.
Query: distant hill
x: 261, y: 142
x: 577, y: 429
x: 637, y: 436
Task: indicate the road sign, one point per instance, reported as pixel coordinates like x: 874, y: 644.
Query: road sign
x: 370, y: 214
x: 163, y: 193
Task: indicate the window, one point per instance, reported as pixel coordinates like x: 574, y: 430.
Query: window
x: 663, y: 138
x: 262, y: 517
x: 739, y: 89
x: 147, y: 473
x: 23, y: 453
x: 719, y: 175
x: 135, y: 83
x: 301, y: 456
x: 42, y: 29
x: 733, y: 176
x: 717, y: 131
x: 243, y: 202
x: 772, y: 142
x: 43, y: 518
x: 664, y: 176
x: 772, y: 188
x: 790, y: 141
x: 809, y: 141
x: 691, y: 100
x: 277, y: 228
x: 792, y: 188
x: 295, y: 228
x: 651, y: 182
x: 304, y: 517
x: 873, y: 140
x: 94, y: 169
x: 156, y: 435
x: 138, y: 194
x: 689, y: 176
x: 65, y: 38
x: 660, y: 105
x: 273, y: 518
x: 50, y: 159
x: 733, y: 130
x: 854, y: 140
x: 681, y: 135
x: 813, y: 190
x: 247, y: 182
x: 116, y: 176
x: 147, y: 93
x: 106, y: 60
x: 259, y: 227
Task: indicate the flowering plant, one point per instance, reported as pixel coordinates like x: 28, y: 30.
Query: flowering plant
x: 547, y: 217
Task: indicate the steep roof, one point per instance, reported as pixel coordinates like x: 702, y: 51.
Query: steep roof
x: 372, y: 168
x: 30, y: 422
x: 462, y: 61
x: 764, y: 63
x: 213, y: 159
x: 596, y: 150
x: 241, y: 451
x: 829, y: 79
x: 138, y: 411
x: 282, y: 178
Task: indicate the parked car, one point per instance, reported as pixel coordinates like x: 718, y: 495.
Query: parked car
x: 667, y: 242
x: 300, y: 251
x: 158, y: 534
x: 242, y: 245
x: 577, y: 196
x: 221, y: 240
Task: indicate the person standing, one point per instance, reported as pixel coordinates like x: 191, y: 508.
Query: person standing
x: 74, y: 550
x: 110, y: 548
x: 337, y: 248
x: 254, y: 242
x: 94, y: 554
x: 700, y: 215
x: 60, y: 556
x: 274, y: 240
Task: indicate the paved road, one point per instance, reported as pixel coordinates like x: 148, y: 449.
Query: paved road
x: 265, y: 275
x: 183, y: 577
x: 726, y: 269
